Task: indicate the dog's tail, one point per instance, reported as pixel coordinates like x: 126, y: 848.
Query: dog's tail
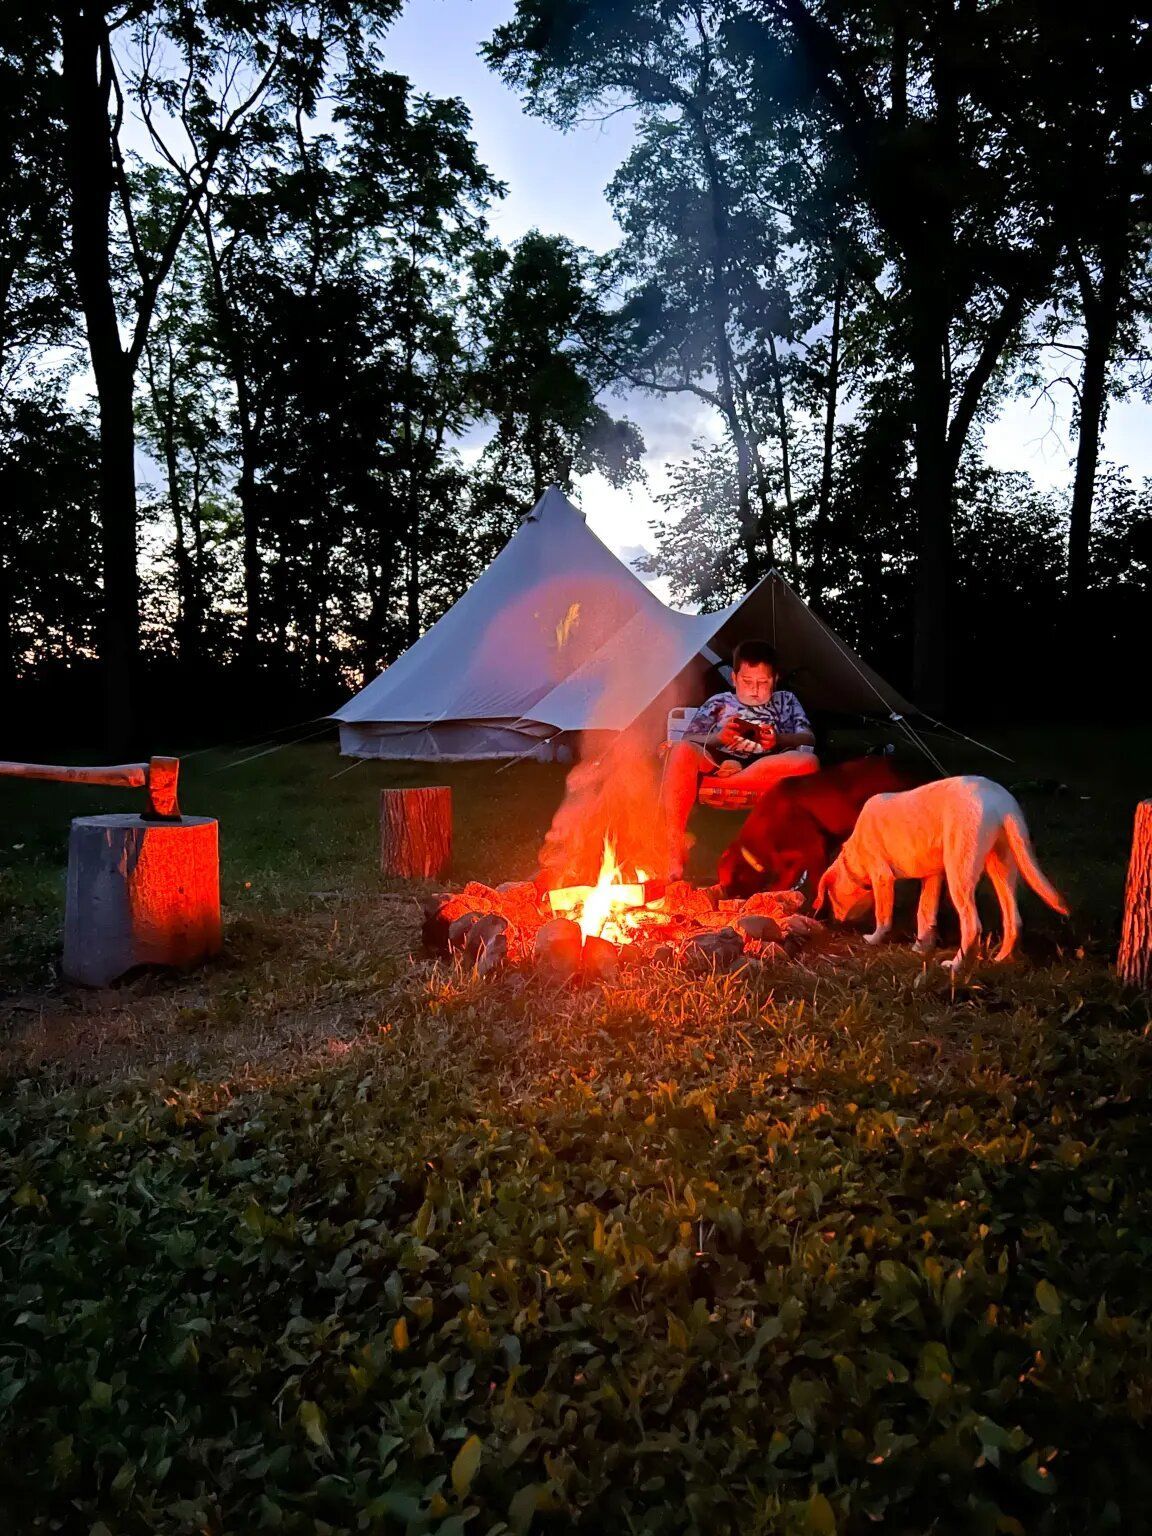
x: 1016, y: 833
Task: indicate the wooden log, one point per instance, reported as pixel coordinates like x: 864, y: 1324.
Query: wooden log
x: 140, y: 893
x: 415, y: 832
x: 1134, y: 961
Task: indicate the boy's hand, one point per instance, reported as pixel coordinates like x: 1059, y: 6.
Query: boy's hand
x: 726, y: 769
x: 730, y: 733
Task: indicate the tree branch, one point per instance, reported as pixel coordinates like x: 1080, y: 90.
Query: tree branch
x: 996, y: 339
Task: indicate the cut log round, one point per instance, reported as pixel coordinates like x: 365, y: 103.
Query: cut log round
x: 415, y: 832
x: 140, y: 893
x: 1135, y: 959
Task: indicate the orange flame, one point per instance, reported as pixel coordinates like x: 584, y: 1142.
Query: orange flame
x: 609, y: 897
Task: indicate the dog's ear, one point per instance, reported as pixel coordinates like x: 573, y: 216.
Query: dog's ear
x: 822, y: 889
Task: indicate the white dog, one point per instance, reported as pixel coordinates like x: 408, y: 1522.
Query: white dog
x: 954, y: 830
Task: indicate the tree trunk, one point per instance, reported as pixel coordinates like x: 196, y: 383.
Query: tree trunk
x: 824, y: 498
x: 198, y: 592
x: 252, y: 558
x: 91, y: 183
x: 164, y: 406
x: 933, y: 500
x: 1101, y: 317
x: 412, y: 575
x: 415, y: 832
x: 7, y: 627
x: 726, y: 390
x: 381, y: 574
x: 140, y: 893
x: 1135, y: 959
x: 785, y: 458
x: 249, y: 429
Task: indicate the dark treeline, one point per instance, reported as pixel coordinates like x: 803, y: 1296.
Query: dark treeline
x: 273, y: 394
x: 269, y: 255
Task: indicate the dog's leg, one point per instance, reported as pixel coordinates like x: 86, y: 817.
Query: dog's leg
x: 962, y: 889
x: 884, y: 899
x: 1001, y: 870
x: 926, y: 914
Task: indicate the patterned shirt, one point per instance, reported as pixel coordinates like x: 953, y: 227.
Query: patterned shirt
x: 783, y: 710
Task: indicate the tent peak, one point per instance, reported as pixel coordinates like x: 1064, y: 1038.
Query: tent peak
x: 553, y: 503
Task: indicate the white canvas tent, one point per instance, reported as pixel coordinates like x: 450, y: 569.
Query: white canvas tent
x: 558, y: 636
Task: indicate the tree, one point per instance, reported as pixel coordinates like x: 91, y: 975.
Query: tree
x: 705, y: 302
x: 695, y: 544
x: 915, y: 101
x: 36, y: 300
x: 540, y: 328
x: 48, y: 538
x: 342, y: 257
x: 199, y: 77
x: 1100, y: 91
x: 181, y: 414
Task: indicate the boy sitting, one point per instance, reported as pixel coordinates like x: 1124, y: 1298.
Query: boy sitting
x: 751, y: 737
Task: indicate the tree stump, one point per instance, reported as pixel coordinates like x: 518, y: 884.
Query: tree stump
x: 140, y: 893
x: 1135, y: 959
x: 415, y: 832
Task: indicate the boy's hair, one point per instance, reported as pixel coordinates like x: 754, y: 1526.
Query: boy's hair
x: 755, y: 653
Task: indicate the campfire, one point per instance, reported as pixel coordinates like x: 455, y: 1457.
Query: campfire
x: 591, y: 931
x: 610, y: 823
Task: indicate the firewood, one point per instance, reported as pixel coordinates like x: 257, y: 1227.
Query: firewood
x: 1134, y: 962
x: 415, y: 832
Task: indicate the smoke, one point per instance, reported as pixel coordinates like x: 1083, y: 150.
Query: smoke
x: 615, y: 794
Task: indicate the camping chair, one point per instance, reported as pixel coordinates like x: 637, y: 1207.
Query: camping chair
x: 717, y: 796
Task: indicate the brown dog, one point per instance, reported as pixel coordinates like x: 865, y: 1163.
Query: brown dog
x: 797, y: 826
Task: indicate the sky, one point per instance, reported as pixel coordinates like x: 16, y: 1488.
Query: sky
x: 556, y: 183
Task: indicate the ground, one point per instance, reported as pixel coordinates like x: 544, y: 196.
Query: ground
x: 325, y: 1238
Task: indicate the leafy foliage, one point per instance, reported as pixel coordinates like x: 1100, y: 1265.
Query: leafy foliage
x: 761, y: 1270
x: 320, y: 1240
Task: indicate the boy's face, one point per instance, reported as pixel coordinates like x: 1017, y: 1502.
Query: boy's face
x: 753, y: 684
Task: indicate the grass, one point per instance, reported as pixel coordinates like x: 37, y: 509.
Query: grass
x: 322, y: 1238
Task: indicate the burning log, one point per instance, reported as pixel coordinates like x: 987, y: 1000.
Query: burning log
x: 571, y: 898
x: 681, y: 897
